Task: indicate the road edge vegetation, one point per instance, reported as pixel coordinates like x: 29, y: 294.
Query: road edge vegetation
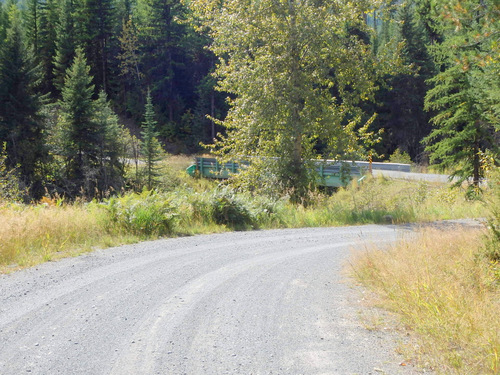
x: 444, y: 286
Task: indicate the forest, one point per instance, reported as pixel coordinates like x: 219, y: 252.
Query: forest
x: 87, y: 84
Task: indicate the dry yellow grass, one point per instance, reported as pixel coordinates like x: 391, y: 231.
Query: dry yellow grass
x: 443, y: 292
x: 33, y: 234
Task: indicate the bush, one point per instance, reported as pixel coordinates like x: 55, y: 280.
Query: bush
x: 148, y: 213
x: 400, y: 157
x: 227, y: 208
x: 9, y: 184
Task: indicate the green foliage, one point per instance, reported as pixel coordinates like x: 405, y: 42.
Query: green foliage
x: 129, y: 60
x: 492, y: 242
x: 88, y: 136
x: 96, y: 24
x: 150, y: 146
x: 402, y: 114
x: 80, y: 134
x: 464, y: 103
x: 112, y: 144
x: 400, y: 157
x: 297, y: 77
x: 21, y: 125
x: 145, y: 214
x: 9, y: 184
x: 65, y: 43
x: 227, y: 208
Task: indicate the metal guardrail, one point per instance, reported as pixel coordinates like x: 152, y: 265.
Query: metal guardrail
x: 329, y: 172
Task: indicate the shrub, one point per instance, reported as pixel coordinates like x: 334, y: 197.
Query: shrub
x: 227, y: 208
x: 491, y: 249
x: 9, y: 184
x: 400, y: 157
x: 148, y: 213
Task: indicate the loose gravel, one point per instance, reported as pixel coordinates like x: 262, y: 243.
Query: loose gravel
x: 261, y: 302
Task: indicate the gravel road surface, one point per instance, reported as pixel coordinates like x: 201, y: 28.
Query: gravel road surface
x: 264, y: 302
x: 430, y: 177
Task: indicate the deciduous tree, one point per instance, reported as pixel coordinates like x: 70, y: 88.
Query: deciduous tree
x: 296, y: 76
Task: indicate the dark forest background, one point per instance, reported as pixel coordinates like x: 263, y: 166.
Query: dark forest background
x: 75, y: 76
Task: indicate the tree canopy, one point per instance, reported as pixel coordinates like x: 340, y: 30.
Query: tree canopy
x: 296, y: 74
x: 278, y: 82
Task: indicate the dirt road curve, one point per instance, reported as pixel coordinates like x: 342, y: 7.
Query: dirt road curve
x: 268, y: 302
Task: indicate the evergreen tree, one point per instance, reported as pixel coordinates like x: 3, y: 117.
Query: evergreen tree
x: 112, y: 147
x: 129, y: 60
x: 80, y: 134
x: 466, y: 108
x: 150, y: 146
x: 164, y: 41
x: 49, y: 19
x: 3, y: 23
x: 32, y: 19
x: 96, y: 17
x: 21, y: 125
x: 401, y: 107
x: 65, y: 43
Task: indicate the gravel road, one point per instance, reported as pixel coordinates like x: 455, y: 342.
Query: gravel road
x: 430, y: 177
x: 263, y: 302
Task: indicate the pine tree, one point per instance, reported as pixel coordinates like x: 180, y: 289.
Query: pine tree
x: 401, y: 112
x: 3, y: 23
x: 465, y: 120
x: 80, y: 134
x: 164, y: 47
x: 21, y: 125
x: 112, y: 147
x: 65, y: 43
x: 96, y: 18
x: 131, y: 75
x: 49, y: 19
x: 32, y: 19
x: 150, y: 146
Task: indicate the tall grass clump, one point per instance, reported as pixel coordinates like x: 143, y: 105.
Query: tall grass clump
x: 32, y: 234
x: 146, y: 214
x: 444, y: 293
x: 228, y: 209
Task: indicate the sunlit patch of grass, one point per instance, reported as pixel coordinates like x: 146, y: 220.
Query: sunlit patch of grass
x: 34, y: 234
x: 183, y: 205
x: 443, y: 292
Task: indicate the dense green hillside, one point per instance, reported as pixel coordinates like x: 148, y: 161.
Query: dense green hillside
x: 288, y: 79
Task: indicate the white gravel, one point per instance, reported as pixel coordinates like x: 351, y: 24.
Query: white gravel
x: 264, y: 302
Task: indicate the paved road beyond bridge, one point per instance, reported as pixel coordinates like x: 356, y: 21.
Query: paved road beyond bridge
x: 264, y: 302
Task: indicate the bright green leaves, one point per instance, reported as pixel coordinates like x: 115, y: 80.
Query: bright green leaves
x: 297, y: 77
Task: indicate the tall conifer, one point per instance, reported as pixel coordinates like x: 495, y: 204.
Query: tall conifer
x: 21, y: 125
x: 150, y: 146
x: 80, y: 133
x: 465, y: 124
x: 65, y: 43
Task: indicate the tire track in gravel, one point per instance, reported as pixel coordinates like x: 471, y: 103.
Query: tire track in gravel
x: 264, y: 302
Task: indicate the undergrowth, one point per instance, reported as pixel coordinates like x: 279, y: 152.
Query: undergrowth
x: 444, y: 292
x: 31, y: 234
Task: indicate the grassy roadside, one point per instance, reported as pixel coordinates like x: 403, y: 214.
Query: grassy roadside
x: 31, y: 234
x: 444, y: 291
x: 445, y: 288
